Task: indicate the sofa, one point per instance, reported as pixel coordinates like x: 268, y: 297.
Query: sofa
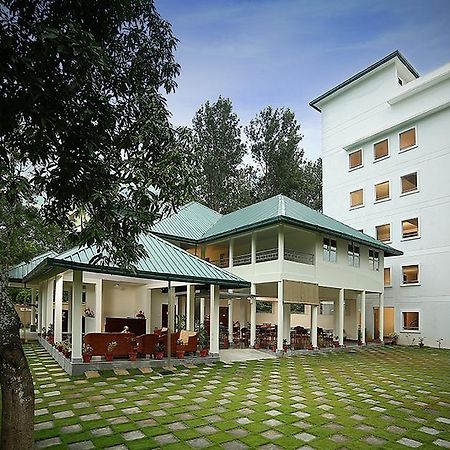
x: 99, y: 343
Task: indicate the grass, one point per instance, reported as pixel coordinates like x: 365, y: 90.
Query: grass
x: 384, y: 396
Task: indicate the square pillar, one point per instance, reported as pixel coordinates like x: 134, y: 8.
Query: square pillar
x: 252, y: 315
x: 287, y: 323
x: 49, y: 303
x: 280, y: 243
x: 381, y: 316
x: 214, y: 320
x: 190, y: 306
x: 98, y: 305
x: 280, y: 321
x: 77, y: 294
x: 58, y: 307
x: 341, y: 317
x: 314, y: 318
x: 202, y: 311
x: 33, y: 309
x: 40, y: 308
x: 170, y: 319
x: 363, y: 317
x: 148, y: 312
x: 230, y: 321
x: 336, y: 320
x: 253, y: 248
x: 231, y: 252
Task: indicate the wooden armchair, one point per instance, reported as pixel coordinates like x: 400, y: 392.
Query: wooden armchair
x: 147, y: 343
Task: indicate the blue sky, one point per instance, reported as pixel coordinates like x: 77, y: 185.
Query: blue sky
x: 286, y: 52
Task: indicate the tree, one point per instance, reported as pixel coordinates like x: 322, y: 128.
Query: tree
x: 219, y: 153
x: 84, y: 129
x: 274, y: 137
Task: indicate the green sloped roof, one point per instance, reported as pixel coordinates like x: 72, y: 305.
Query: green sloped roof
x: 283, y: 209
x: 189, y: 223
x: 19, y: 271
x: 164, y: 261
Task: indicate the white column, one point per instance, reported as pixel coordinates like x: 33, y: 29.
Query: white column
x: 280, y: 243
x: 49, y: 306
x: 280, y: 321
x: 231, y: 252
x: 341, y: 317
x: 381, y: 317
x: 148, y: 312
x: 230, y: 321
x: 190, y: 306
x: 253, y: 249
x: 98, y: 305
x: 33, y: 310
x: 336, y: 319
x: 170, y: 319
x: 314, y: 316
x: 39, y: 309
x: 363, y: 317
x: 202, y: 311
x: 43, y: 295
x: 58, y: 307
x: 252, y: 315
x: 214, y: 320
x: 287, y: 323
x: 77, y: 294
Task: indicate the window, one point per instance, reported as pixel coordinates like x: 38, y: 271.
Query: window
x: 374, y: 260
x: 353, y: 255
x: 387, y: 277
x: 410, y: 228
x: 329, y: 250
x: 382, y: 191
x: 381, y: 149
x: 356, y: 198
x: 410, y: 274
x: 409, y: 183
x: 355, y: 160
x: 264, y: 307
x: 297, y: 308
x: 384, y: 232
x: 407, y: 139
x: 326, y: 308
x: 410, y: 320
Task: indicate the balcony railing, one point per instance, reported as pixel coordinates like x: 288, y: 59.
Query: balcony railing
x: 299, y: 257
x: 267, y: 255
x: 224, y: 262
x: 242, y: 260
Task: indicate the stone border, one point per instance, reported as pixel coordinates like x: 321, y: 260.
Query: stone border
x: 78, y: 368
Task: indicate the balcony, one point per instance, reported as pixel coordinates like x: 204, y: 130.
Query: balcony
x: 242, y: 260
x: 299, y: 257
x: 222, y: 263
x: 267, y: 255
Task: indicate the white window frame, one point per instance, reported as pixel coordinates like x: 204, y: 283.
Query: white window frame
x: 389, y: 149
x: 419, y: 273
x: 353, y: 255
x: 390, y: 271
x: 363, y: 199
x: 351, y: 169
x: 418, y: 311
x: 411, y: 238
x: 390, y: 232
x: 412, y: 146
x: 379, y: 259
x: 403, y: 194
x: 375, y: 192
x: 329, y: 251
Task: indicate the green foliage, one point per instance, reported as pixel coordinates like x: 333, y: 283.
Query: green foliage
x: 264, y: 307
x: 20, y: 296
x: 222, y: 182
x: 84, y: 121
x: 297, y: 308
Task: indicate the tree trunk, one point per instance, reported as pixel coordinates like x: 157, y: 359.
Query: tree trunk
x: 15, y: 377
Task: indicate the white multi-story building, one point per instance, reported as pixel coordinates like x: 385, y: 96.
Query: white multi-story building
x: 386, y: 161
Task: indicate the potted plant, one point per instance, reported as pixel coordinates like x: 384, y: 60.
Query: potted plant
x: 109, y: 351
x: 134, y: 347
x: 336, y: 341
x: 203, y: 343
x: 360, y: 337
x: 421, y: 342
x: 180, y: 349
x: 67, y: 348
x: 59, y: 346
x: 140, y: 315
x: 159, y: 350
x: 256, y: 344
x: 43, y: 332
x: 285, y: 345
x: 87, y: 353
x: 50, y: 334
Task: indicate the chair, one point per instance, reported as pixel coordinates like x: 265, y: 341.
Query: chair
x: 99, y: 343
x: 147, y: 343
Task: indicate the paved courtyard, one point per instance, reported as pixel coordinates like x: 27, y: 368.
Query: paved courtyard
x: 389, y: 397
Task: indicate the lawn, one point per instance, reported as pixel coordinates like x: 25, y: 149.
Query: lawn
x: 390, y: 397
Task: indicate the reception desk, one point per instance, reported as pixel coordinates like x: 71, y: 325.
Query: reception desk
x: 116, y: 324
